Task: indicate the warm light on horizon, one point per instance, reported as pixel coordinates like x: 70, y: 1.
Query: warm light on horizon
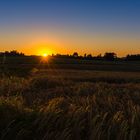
x: 91, y: 27
x: 85, y: 42
x: 45, y: 55
x: 43, y: 51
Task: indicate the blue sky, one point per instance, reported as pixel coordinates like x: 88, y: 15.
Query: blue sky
x: 93, y: 16
x: 90, y: 12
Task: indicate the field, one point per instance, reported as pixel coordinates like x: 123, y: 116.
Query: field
x: 58, y: 99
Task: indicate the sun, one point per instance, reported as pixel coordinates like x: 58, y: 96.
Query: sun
x: 44, y: 54
x: 44, y: 57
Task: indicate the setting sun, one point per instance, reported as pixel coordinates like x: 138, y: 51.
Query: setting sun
x: 43, y: 51
x: 45, y: 55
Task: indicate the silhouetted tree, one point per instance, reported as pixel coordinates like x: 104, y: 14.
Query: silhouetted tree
x: 11, y: 53
x: 135, y: 57
x: 89, y: 56
x: 99, y: 55
x: 85, y: 55
x: 14, y: 53
x: 110, y: 56
x: 75, y: 54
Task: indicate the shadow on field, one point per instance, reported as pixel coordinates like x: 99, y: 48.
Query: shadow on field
x: 42, y: 107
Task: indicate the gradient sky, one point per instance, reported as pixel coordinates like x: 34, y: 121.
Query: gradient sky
x: 65, y: 26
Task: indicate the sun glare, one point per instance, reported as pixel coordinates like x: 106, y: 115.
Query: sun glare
x: 45, y: 55
x: 44, y: 52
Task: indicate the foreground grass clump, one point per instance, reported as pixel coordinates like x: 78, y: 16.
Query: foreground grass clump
x: 43, y: 108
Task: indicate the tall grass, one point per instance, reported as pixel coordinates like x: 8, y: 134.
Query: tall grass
x: 42, y: 108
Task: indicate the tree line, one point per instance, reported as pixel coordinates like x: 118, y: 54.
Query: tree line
x: 110, y: 56
x: 12, y: 53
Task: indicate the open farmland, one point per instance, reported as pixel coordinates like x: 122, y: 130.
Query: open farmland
x: 89, y: 75
x: 52, y: 102
x: 22, y: 66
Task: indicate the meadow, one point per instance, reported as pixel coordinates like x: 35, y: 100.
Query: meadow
x: 70, y: 100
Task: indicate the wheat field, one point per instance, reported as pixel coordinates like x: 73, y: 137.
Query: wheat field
x: 52, y: 105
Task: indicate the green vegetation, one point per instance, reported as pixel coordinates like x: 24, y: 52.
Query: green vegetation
x: 54, y: 105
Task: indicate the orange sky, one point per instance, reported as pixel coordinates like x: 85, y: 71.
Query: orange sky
x: 66, y: 26
x: 33, y: 40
